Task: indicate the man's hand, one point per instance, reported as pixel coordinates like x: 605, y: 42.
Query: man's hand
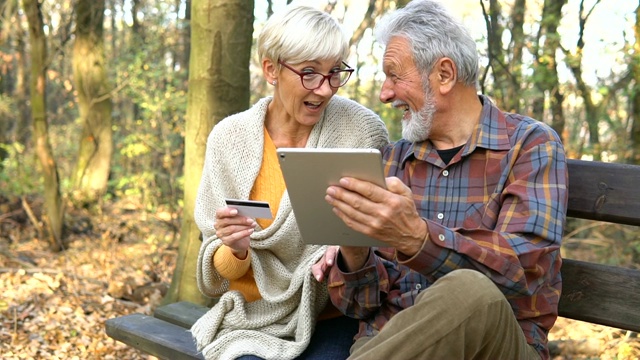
x: 234, y: 230
x: 387, y: 215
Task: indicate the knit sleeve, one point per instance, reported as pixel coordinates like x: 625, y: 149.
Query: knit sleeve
x: 230, y: 168
x: 228, y: 265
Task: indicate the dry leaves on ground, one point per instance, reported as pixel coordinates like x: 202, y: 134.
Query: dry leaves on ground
x: 53, y: 305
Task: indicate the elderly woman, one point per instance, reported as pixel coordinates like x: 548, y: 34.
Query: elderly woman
x: 269, y: 304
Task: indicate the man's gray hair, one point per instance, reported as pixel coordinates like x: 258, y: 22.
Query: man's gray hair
x: 433, y: 33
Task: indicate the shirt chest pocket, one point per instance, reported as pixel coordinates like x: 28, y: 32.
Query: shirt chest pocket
x: 483, y: 215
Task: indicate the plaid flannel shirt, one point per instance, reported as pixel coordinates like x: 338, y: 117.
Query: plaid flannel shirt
x: 498, y: 207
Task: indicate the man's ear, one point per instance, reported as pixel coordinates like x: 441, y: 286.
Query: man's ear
x: 269, y: 70
x: 447, y: 74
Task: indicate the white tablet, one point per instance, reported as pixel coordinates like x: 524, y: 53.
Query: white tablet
x: 309, y: 172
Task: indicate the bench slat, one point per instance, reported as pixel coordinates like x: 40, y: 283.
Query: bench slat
x: 604, y: 191
x: 183, y: 313
x: 153, y: 336
x: 601, y: 294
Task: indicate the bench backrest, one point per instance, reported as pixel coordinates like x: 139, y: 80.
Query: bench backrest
x: 601, y: 294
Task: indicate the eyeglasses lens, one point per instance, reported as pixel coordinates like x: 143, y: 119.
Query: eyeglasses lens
x: 314, y: 81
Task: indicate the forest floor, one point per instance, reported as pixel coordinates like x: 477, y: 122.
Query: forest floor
x: 54, y: 305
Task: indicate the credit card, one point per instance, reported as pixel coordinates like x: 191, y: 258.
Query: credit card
x: 251, y: 208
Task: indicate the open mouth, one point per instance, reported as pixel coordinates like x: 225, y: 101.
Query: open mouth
x: 404, y: 108
x: 313, y: 104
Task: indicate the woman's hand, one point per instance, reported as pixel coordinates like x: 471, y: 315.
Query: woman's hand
x: 234, y: 230
x: 323, y: 266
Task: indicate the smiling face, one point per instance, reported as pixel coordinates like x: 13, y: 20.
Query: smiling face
x: 292, y: 101
x: 404, y: 88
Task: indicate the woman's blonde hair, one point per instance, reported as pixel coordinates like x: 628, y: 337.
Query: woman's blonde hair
x: 302, y: 33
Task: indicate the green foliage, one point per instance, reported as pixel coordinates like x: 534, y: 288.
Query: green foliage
x: 149, y: 130
x: 392, y: 118
x: 135, y: 145
x: 137, y: 187
x: 20, y: 174
x: 7, y: 108
x: 133, y: 176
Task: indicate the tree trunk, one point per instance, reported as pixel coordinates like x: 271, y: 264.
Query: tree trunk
x: 495, y: 54
x: 546, y: 66
x: 574, y: 62
x: 221, y: 37
x: 513, y: 91
x: 8, y: 122
x: 6, y: 18
x: 635, y: 93
x: 13, y: 77
x: 52, y: 199
x: 368, y: 21
x: 94, y: 103
x: 22, y: 130
x: 505, y: 64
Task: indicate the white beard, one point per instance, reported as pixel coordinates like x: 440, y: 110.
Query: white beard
x: 418, y: 127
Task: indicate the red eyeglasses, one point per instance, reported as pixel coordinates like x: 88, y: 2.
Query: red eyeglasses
x: 313, y: 80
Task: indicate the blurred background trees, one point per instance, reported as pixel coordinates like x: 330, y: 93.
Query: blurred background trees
x: 109, y: 101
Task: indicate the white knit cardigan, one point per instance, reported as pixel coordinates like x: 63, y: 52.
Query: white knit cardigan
x: 280, y: 325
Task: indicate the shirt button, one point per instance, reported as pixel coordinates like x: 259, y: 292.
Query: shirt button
x: 440, y: 216
x: 445, y: 173
x: 441, y: 237
x: 368, y: 275
x: 418, y: 286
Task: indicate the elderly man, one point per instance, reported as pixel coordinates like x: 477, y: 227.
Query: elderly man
x: 473, y: 212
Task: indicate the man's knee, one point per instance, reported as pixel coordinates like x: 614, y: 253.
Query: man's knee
x: 470, y: 284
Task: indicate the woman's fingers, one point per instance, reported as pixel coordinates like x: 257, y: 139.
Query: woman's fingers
x: 322, y: 267
x: 234, y: 230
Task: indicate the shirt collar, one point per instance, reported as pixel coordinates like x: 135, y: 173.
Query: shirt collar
x: 491, y: 133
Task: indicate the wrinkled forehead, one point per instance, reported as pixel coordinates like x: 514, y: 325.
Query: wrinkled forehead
x: 398, y: 53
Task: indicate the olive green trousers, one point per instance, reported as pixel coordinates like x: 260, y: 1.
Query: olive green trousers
x: 463, y: 315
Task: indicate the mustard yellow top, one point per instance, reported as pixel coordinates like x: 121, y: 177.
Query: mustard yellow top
x: 269, y: 186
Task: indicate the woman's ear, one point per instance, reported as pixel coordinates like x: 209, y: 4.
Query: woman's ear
x: 270, y: 70
x: 447, y: 74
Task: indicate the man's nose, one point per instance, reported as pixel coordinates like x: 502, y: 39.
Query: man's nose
x: 386, y: 92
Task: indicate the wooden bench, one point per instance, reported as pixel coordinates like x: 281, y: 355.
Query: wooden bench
x: 600, y: 294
